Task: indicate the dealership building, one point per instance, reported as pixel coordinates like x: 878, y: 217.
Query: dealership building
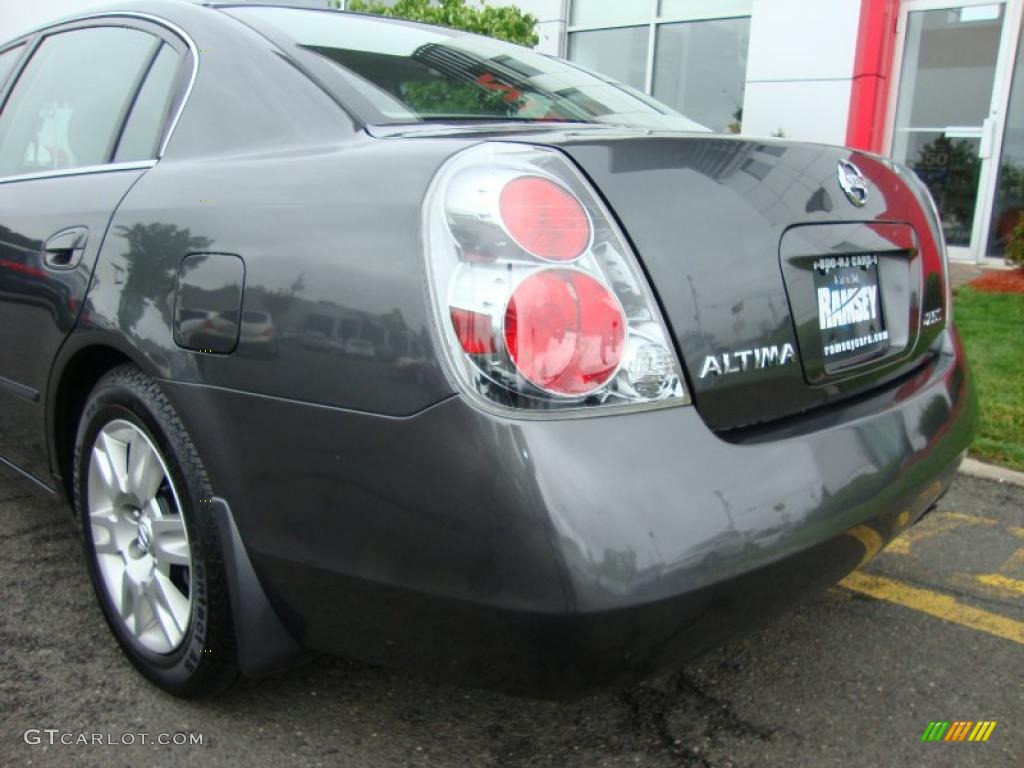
x: 937, y: 84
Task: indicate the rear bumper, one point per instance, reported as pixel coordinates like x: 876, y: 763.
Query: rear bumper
x: 555, y: 557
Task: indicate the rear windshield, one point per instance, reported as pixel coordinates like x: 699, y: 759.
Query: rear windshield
x: 400, y: 72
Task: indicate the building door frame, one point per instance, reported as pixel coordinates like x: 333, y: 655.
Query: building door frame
x: 991, y: 134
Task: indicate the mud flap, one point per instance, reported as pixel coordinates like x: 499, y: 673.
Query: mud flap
x: 264, y: 645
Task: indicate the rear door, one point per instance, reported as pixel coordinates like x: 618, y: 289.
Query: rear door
x: 85, y: 107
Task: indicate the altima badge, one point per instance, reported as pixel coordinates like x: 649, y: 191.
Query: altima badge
x: 853, y: 183
x: 747, y: 359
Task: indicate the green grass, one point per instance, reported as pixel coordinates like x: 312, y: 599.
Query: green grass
x: 992, y: 328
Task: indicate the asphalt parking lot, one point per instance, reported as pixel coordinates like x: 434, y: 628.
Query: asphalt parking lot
x: 932, y: 630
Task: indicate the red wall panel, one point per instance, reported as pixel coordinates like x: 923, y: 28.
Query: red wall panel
x: 872, y: 71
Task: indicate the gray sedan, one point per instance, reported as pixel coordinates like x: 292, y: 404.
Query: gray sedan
x: 350, y: 335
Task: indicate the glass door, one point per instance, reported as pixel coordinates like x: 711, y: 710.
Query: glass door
x: 1008, y: 205
x: 951, y: 86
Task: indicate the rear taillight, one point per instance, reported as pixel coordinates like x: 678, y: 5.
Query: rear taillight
x: 539, y: 301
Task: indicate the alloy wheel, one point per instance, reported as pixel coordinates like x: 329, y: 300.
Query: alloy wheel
x: 139, y: 536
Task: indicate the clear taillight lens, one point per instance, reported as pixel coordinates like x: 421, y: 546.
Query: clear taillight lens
x: 539, y: 300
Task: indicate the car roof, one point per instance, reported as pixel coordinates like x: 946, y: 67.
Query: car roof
x: 166, y: 11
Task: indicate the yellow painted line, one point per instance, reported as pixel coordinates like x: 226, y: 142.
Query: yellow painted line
x: 972, y: 584
x: 869, y: 538
x: 899, y: 546
x: 969, y: 519
x: 927, y: 530
x: 1002, y: 582
x: 935, y: 604
x: 942, y: 523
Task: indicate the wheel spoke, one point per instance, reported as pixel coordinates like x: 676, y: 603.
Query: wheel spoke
x: 127, y: 605
x: 104, y: 470
x: 144, y: 471
x: 111, y: 457
x: 170, y: 607
x: 160, y: 612
x: 104, y: 532
x: 144, y: 612
x: 170, y: 544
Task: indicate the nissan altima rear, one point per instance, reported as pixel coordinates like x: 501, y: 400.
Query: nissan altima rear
x: 427, y: 350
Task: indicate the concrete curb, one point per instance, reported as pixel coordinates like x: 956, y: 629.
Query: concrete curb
x: 976, y: 468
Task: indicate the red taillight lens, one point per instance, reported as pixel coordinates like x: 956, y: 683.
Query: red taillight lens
x: 564, y: 331
x: 475, y: 331
x: 544, y: 218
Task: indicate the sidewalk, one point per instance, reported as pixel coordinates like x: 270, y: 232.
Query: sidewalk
x: 982, y: 469
x: 963, y: 272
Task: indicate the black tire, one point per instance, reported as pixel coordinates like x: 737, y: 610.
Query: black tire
x: 205, y: 662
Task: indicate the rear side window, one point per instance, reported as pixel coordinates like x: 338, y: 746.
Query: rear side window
x: 7, y: 60
x: 65, y: 109
x: 142, y: 131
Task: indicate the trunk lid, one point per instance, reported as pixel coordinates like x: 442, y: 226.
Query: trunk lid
x: 784, y: 292
x: 770, y: 274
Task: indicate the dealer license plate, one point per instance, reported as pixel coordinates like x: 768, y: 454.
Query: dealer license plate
x: 849, y: 307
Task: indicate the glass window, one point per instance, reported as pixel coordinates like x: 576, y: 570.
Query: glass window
x: 700, y: 69
x: 688, y: 10
x: 618, y: 53
x: 1009, y: 205
x: 66, y: 107
x: 410, y: 73
x: 602, y: 13
x: 142, y: 131
x: 949, y: 68
x: 7, y: 60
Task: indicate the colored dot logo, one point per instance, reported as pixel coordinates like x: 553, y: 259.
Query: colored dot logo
x: 958, y: 730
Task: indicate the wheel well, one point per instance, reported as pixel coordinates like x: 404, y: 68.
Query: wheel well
x: 76, y: 382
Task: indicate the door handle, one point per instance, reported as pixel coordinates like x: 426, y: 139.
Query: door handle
x: 985, y: 132
x: 65, y: 249
x: 963, y: 131
x: 988, y: 138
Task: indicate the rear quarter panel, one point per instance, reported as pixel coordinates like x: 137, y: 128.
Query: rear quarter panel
x: 325, y: 219
x: 330, y: 241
